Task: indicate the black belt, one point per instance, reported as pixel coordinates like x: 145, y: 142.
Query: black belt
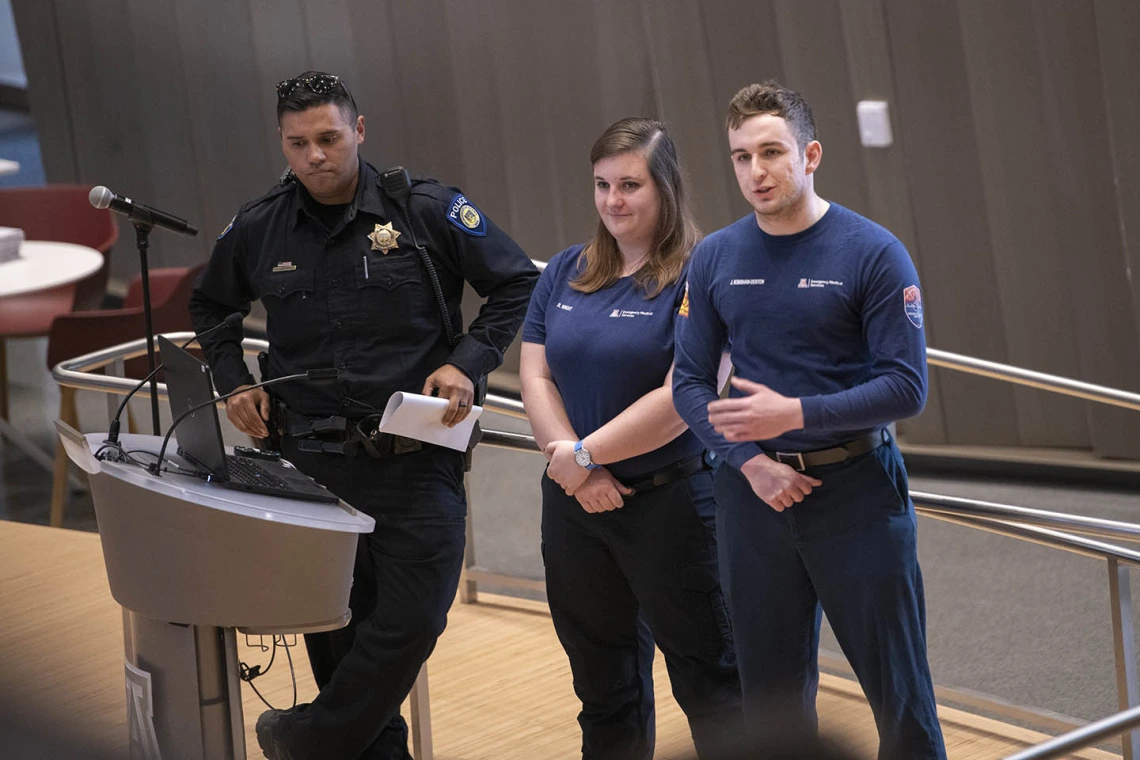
x: 801, y: 460
x: 682, y: 468
x: 344, y: 436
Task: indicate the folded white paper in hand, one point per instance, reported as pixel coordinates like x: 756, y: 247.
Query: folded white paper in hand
x: 10, y: 239
x: 415, y: 416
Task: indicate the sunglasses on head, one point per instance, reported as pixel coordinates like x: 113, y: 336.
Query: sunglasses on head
x: 322, y: 84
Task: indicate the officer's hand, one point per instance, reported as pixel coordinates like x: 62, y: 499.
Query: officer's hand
x: 563, y: 469
x: 248, y: 411
x: 777, y: 484
x: 450, y: 383
x: 759, y: 415
x: 601, y: 492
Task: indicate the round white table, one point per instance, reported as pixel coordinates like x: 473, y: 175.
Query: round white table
x: 44, y: 264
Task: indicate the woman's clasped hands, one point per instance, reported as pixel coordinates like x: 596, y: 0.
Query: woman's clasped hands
x: 596, y: 490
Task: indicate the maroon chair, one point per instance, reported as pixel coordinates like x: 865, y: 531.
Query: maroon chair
x: 61, y: 213
x: 82, y: 332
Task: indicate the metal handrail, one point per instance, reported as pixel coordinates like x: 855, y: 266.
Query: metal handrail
x: 1033, y: 379
x: 1092, y: 526
x: 1006, y: 519
x: 1085, y: 736
x: 76, y: 373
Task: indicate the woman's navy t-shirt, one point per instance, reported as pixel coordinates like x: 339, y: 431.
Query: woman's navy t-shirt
x: 606, y: 350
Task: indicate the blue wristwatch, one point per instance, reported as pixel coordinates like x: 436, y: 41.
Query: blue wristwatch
x: 582, y: 457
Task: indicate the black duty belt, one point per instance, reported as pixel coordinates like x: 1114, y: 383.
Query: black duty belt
x: 671, y: 473
x: 801, y: 460
x: 344, y: 436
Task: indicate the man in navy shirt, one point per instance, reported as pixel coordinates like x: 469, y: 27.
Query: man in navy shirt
x: 823, y: 313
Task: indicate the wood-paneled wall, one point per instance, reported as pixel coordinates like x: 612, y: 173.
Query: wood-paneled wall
x: 1013, y: 178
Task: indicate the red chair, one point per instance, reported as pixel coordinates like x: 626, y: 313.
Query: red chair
x: 61, y: 213
x: 82, y: 332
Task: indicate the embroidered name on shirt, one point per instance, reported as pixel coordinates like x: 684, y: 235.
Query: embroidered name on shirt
x: 627, y: 313
x: 806, y: 283
x: 564, y: 307
x: 745, y: 282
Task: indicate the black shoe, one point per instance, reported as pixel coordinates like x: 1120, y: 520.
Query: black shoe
x: 268, y: 735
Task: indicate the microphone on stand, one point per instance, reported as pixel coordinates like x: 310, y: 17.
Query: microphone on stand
x: 144, y: 219
x: 313, y: 376
x: 137, y: 213
x: 232, y: 320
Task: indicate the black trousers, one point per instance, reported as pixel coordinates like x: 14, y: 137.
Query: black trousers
x: 406, y: 575
x: 617, y: 582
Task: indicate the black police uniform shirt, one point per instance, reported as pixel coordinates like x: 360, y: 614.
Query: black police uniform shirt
x: 335, y: 298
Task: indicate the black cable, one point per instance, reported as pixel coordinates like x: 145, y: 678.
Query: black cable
x: 248, y: 674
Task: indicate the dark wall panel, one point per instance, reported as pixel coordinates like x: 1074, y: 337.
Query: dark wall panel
x: 1019, y: 187
x: 1088, y: 237
x: 888, y: 192
x: 683, y: 88
x: 426, y: 79
x: 480, y: 138
x: 744, y: 47
x: 1117, y: 30
x: 233, y: 141
x: 815, y: 63
x: 162, y: 133
x: 47, y: 91
x: 940, y: 155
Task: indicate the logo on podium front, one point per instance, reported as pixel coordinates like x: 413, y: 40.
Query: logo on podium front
x: 140, y: 715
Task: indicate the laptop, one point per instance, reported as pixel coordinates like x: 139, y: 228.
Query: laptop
x: 199, y: 435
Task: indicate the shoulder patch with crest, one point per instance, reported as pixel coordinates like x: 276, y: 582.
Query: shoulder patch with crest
x: 463, y: 214
x: 229, y: 227
x: 912, y: 305
x: 684, y: 310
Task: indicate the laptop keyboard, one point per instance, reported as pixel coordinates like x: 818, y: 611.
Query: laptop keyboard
x: 245, y: 470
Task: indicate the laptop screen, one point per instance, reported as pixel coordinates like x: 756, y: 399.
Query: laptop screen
x: 188, y: 384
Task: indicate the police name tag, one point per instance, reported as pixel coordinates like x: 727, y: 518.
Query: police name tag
x: 463, y: 214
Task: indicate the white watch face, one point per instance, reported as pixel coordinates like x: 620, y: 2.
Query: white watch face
x: 582, y: 457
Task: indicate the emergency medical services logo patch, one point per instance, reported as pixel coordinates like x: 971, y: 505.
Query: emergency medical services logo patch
x: 684, y: 310
x: 912, y: 305
x: 463, y: 214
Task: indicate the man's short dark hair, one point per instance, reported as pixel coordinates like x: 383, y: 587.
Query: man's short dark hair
x: 771, y: 97
x: 311, y: 89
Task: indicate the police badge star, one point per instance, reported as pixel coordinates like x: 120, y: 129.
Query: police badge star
x: 384, y: 238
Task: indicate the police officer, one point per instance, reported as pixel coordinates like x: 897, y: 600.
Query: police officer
x: 361, y: 271
x: 823, y: 312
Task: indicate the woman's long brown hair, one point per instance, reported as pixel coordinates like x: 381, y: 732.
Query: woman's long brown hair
x: 676, y: 232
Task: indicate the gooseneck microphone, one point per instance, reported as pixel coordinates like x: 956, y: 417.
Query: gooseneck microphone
x: 312, y: 375
x: 137, y: 213
x: 113, y: 429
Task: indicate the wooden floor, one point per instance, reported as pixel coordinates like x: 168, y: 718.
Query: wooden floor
x: 499, y: 682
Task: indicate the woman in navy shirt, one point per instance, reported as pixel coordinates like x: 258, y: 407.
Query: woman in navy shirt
x: 627, y: 508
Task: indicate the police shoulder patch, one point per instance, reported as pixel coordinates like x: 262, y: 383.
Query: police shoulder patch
x: 229, y: 227
x: 463, y: 214
x: 684, y: 310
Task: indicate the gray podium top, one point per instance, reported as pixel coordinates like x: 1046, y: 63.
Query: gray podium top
x: 183, y: 550
x: 307, y: 514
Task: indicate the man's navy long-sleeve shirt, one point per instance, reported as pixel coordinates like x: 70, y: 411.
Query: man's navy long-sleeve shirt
x: 831, y: 315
